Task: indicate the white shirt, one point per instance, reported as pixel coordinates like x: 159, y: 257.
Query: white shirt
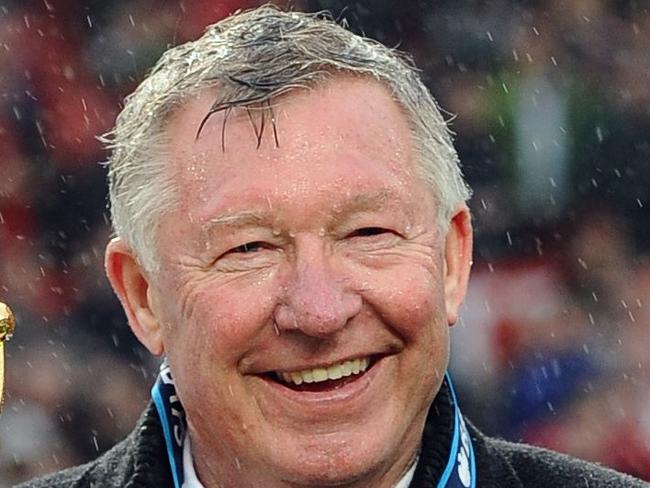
x: 191, y: 480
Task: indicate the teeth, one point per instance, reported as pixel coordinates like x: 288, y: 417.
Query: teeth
x: 355, y: 366
x: 307, y: 376
x: 317, y: 375
x: 320, y: 374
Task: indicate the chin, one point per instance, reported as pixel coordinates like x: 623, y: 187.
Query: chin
x: 328, y: 472
x: 338, y: 461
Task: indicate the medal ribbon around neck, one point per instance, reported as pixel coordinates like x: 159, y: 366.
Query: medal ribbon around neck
x: 459, y: 472
x: 172, y: 418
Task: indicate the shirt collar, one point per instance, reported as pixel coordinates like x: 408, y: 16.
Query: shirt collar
x: 190, y: 480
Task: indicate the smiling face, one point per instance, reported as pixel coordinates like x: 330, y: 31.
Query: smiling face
x: 306, y: 290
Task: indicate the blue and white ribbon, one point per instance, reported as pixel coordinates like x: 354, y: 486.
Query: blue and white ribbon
x: 172, y: 418
x: 460, y: 470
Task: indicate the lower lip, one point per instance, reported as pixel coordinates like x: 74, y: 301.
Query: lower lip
x: 340, y: 394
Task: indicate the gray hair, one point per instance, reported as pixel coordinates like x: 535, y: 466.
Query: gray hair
x: 251, y: 57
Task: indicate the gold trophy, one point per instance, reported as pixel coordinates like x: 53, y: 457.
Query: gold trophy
x: 7, y: 326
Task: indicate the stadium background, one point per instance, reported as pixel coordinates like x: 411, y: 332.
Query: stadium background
x: 550, y: 101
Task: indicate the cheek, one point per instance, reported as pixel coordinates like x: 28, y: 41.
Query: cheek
x: 219, y: 323
x: 411, y: 301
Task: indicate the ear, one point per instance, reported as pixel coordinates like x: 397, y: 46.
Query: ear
x: 132, y: 288
x: 458, y: 261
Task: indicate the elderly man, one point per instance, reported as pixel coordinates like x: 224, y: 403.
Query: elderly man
x: 292, y: 236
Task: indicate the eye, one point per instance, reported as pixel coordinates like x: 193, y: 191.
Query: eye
x: 369, y: 232
x: 249, y: 248
x: 249, y: 256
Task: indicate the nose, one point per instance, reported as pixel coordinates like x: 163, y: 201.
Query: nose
x: 318, y: 300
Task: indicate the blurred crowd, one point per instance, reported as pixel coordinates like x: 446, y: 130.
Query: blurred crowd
x: 550, y: 103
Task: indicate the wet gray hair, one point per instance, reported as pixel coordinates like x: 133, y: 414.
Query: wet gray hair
x: 250, y: 58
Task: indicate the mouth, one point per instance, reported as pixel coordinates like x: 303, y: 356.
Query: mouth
x: 324, y: 378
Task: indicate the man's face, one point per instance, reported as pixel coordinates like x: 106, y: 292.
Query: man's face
x: 284, y: 266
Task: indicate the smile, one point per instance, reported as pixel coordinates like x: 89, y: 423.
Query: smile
x: 319, y: 375
x: 342, y: 387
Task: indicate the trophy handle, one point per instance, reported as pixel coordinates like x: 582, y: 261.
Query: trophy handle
x: 7, y: 327
x: 2, y: 375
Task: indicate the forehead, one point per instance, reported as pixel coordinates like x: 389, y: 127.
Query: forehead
x: 345, y: 133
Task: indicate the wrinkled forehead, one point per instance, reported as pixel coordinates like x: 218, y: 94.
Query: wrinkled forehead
x: 295, y: 136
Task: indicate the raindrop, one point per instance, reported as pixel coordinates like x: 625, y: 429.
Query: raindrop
x: 599, y: 133
x: 557, y: 371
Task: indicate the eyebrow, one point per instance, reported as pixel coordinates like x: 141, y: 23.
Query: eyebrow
x: 362, y: 202
x: 242, y: 218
